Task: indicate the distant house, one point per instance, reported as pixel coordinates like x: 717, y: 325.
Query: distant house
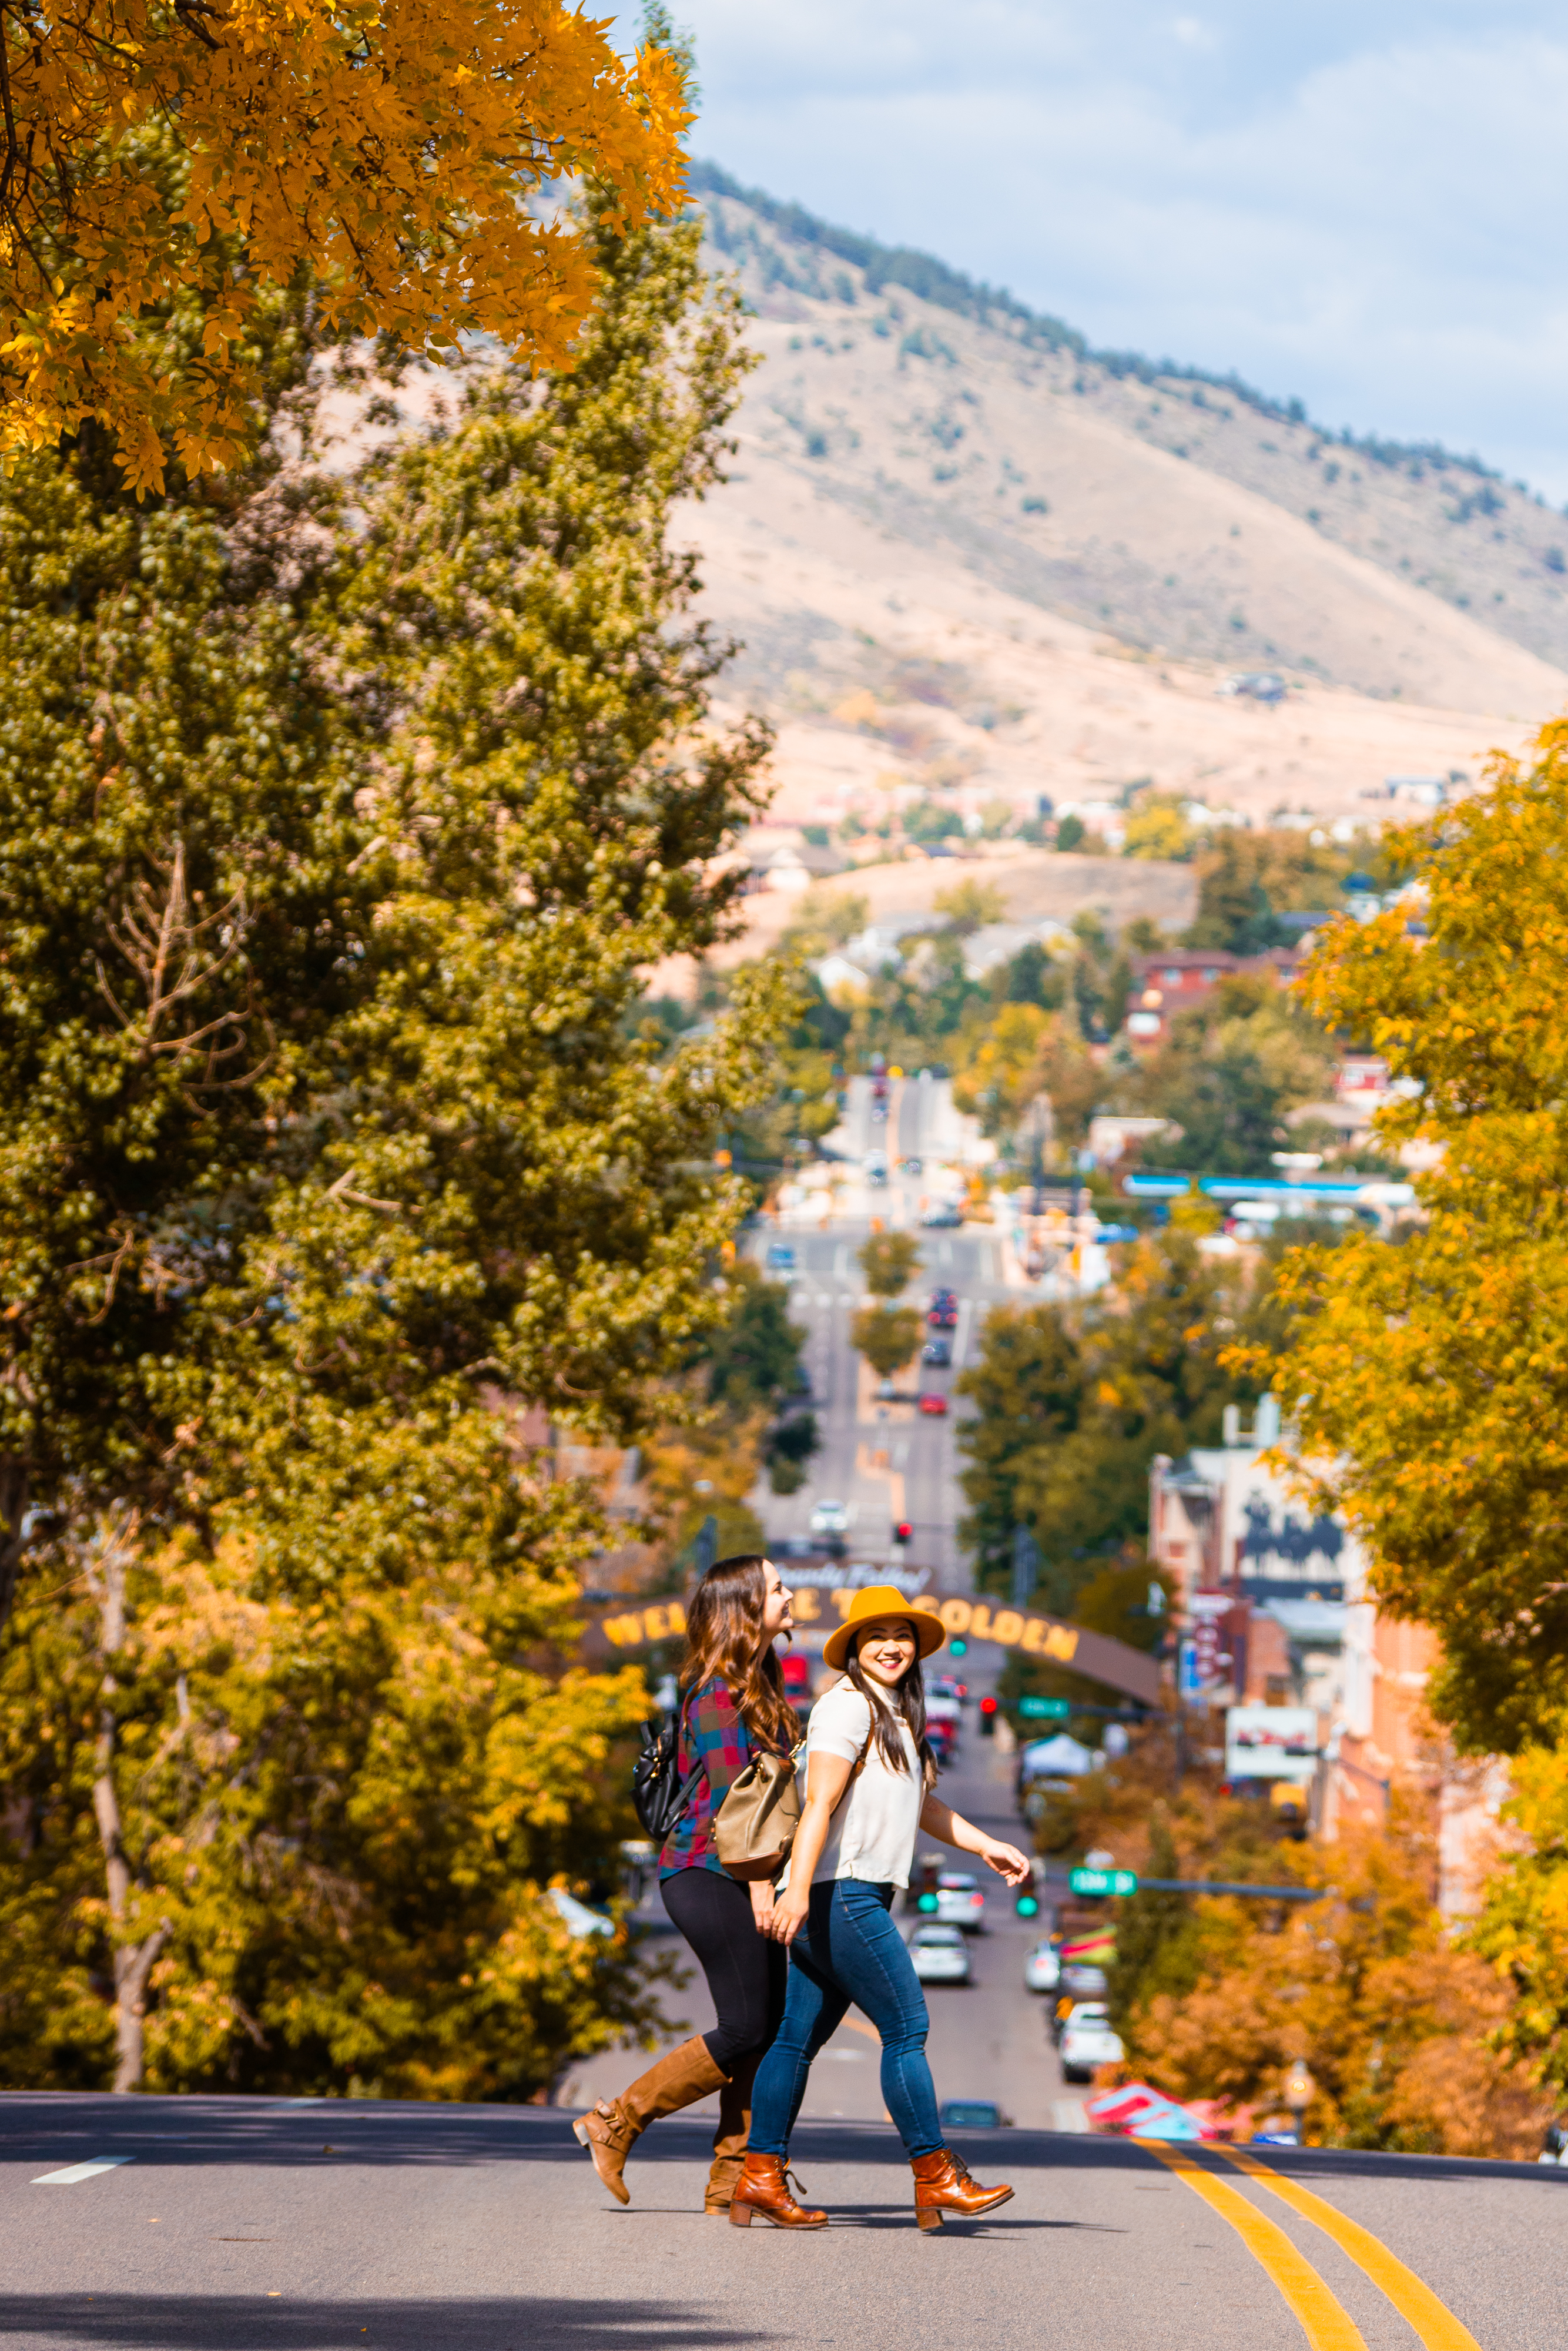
x: 1179, y: 977
x: 1000, y: 942
x: 795, y: 867
x: 837, y: 971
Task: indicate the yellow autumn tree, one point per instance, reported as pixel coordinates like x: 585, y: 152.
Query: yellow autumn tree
x: 1434, y: 1374
x: 168, y: 167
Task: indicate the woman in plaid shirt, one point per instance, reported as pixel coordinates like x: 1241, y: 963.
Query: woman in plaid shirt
x: 732, y: 1706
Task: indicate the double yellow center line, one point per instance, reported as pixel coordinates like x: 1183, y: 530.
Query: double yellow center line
x: 1326, y: 2323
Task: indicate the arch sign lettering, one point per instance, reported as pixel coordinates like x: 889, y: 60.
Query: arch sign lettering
x: 1094, y: 1654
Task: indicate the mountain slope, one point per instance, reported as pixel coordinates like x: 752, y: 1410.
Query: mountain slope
x: 971, y: 561
x: 1000, y: 406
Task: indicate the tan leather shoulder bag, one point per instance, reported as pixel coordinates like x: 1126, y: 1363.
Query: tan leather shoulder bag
x: 755, y: 1826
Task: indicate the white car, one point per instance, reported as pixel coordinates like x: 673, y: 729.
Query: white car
x: 1042, y: 1969
x: 940, y: 1955
x: 960, y: 1902
x: 829, y: 1519
x: 1087, y: 2040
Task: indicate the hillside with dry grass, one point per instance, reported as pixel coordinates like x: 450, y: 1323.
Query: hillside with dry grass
x: 971, y: 560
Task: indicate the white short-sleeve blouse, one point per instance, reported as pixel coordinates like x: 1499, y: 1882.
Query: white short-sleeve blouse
x: 873, y: 1832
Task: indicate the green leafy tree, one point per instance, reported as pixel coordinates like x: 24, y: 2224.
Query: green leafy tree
x: 333, y: 1164
x: 754, y: 1356
x: 886, y: 1336
x: 1074, y: 1406
x: 889, y: 1261
x: 1232, y: 1071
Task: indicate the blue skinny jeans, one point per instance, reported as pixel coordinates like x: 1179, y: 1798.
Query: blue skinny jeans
x: 848, y: 1950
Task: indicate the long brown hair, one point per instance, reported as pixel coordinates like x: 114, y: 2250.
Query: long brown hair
x: 725, y: 1642
x: 907, y: 1701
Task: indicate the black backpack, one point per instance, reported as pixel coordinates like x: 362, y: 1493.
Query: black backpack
x: 658, y: 1790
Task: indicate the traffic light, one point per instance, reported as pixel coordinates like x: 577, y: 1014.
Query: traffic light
x: 903, y: 1533
x: 926, y: 1900
x: 1028, y: 1906
x: 987, y: 1717
x: 957, y: 1646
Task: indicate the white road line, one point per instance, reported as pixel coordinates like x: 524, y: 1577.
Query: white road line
x: 961, y: 1336
x: 75, y: 2171
x: 841, y: 1260
x: 1068, y: 2115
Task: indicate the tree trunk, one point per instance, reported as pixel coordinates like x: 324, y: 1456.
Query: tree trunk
x: 16, y: 1483
x: 114, y: 1548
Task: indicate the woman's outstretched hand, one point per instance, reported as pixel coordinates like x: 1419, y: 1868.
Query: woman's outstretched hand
x: 1007, y: 1861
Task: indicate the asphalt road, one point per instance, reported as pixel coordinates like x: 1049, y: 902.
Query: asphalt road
x: 885, y: 1461
x: 251, y: 2225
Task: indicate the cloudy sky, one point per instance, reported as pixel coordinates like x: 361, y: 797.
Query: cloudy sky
x: 1363, y: 204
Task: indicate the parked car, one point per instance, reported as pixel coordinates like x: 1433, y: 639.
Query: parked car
x: 972, y: 2113
x: 1042, y: 1969
x: 933, y: 1406
x: 960, y: 1902
x: 942, y: 1217
x: 1087, y: 2040
x: 830, y: 1518
x: 876, y: 1168
x: 780, y: 1258
x: 940, y: 1955
x: 1081, y: 1982
x: 945, y: 1686
x: 939, y: 1351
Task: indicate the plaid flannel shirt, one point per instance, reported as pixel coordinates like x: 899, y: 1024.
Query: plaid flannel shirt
x: 712, y: 1731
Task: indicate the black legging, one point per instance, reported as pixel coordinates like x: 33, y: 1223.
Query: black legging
x: 746, y: 1972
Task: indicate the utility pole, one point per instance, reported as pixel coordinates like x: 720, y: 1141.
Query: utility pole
x: 1026, y: 1567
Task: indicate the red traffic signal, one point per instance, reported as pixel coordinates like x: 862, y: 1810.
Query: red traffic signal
x: 988, y: 1706
x: 987, y: 1717
x: 903, y: 1532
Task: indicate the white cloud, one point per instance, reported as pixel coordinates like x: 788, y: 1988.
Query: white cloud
x: 1362, y: 206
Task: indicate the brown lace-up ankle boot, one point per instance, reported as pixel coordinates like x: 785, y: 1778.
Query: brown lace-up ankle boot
x: 942, y: 2184
x: 677, y: 2080
x: 730, y: 2139
x: 763, y: 2187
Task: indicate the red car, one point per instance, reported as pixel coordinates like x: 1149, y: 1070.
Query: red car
x: 937, y: 1405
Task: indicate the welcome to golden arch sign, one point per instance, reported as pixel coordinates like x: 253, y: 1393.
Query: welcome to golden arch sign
x: 1096, y: 1655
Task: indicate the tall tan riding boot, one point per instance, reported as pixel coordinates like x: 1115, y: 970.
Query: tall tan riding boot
x: 681, y: 2077
x: 942, y: 2184
x: 733, y: 2130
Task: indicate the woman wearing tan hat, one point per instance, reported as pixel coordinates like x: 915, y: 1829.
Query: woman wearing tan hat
x: 868, y: 1771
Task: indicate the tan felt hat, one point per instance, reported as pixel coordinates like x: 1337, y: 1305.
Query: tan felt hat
x: 884, y: 1600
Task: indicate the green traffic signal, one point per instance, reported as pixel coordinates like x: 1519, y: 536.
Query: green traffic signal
x: 957, y: 1648
x: 928, y: 1902
x: 1028, y: 1906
